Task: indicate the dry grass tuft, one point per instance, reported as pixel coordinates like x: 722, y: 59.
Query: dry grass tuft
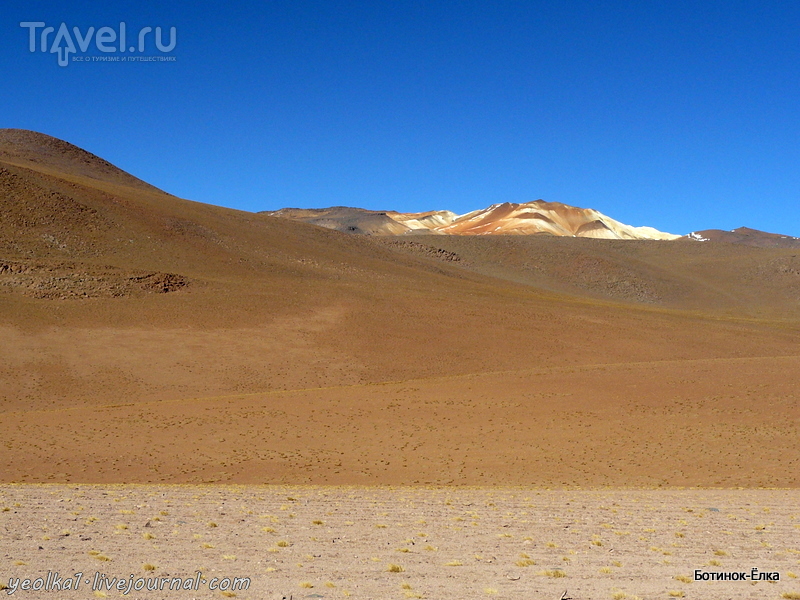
x: 525, y: 562
x: 454, y: 563
x: 683, y: 578
x: 148, y: 567
x: 306, y: 584
x: 395, y: 568
x: 555, y: 573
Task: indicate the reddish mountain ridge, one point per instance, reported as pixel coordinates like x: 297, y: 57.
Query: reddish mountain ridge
x: 529, y: 218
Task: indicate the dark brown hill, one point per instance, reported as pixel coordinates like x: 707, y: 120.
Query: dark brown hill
x: 221, y: 341
x: 746, y: 237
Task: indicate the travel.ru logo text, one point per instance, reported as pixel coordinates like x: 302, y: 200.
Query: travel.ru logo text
x: 106, y: 39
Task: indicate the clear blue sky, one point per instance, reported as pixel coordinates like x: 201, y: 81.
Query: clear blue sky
x: 679, y: 115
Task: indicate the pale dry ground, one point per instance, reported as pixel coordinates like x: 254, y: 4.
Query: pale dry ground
x: 448, y: 542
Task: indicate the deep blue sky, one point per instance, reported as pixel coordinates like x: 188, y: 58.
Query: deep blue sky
x: 679, y: 115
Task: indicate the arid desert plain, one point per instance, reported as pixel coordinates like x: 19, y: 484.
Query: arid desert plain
x: 186, y: 388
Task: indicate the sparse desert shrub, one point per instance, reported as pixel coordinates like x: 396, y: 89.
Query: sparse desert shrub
x: 306, y: 584
x: 148, y: 536
x: 605, y: 570
x: 720, y: 553
x: 97, y: 555
x: 525, y: 562
x: 148, y: 567
x: 676, y: 594
x: 282, y: 544
x: 556, y: 573
x: 683, y: 578
x: 791, y: 595
x: 395, y: 568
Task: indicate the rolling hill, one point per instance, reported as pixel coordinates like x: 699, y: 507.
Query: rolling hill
x: 150, y: 338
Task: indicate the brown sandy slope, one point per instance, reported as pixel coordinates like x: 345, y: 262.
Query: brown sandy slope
x: 148, y: 338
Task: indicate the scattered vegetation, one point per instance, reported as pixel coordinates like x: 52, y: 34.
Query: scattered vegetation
x: 525, y: 562
x: 556, y: 573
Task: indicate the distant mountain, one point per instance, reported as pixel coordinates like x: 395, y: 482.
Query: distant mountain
x: 745, y: 236
x: 530, y: 218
